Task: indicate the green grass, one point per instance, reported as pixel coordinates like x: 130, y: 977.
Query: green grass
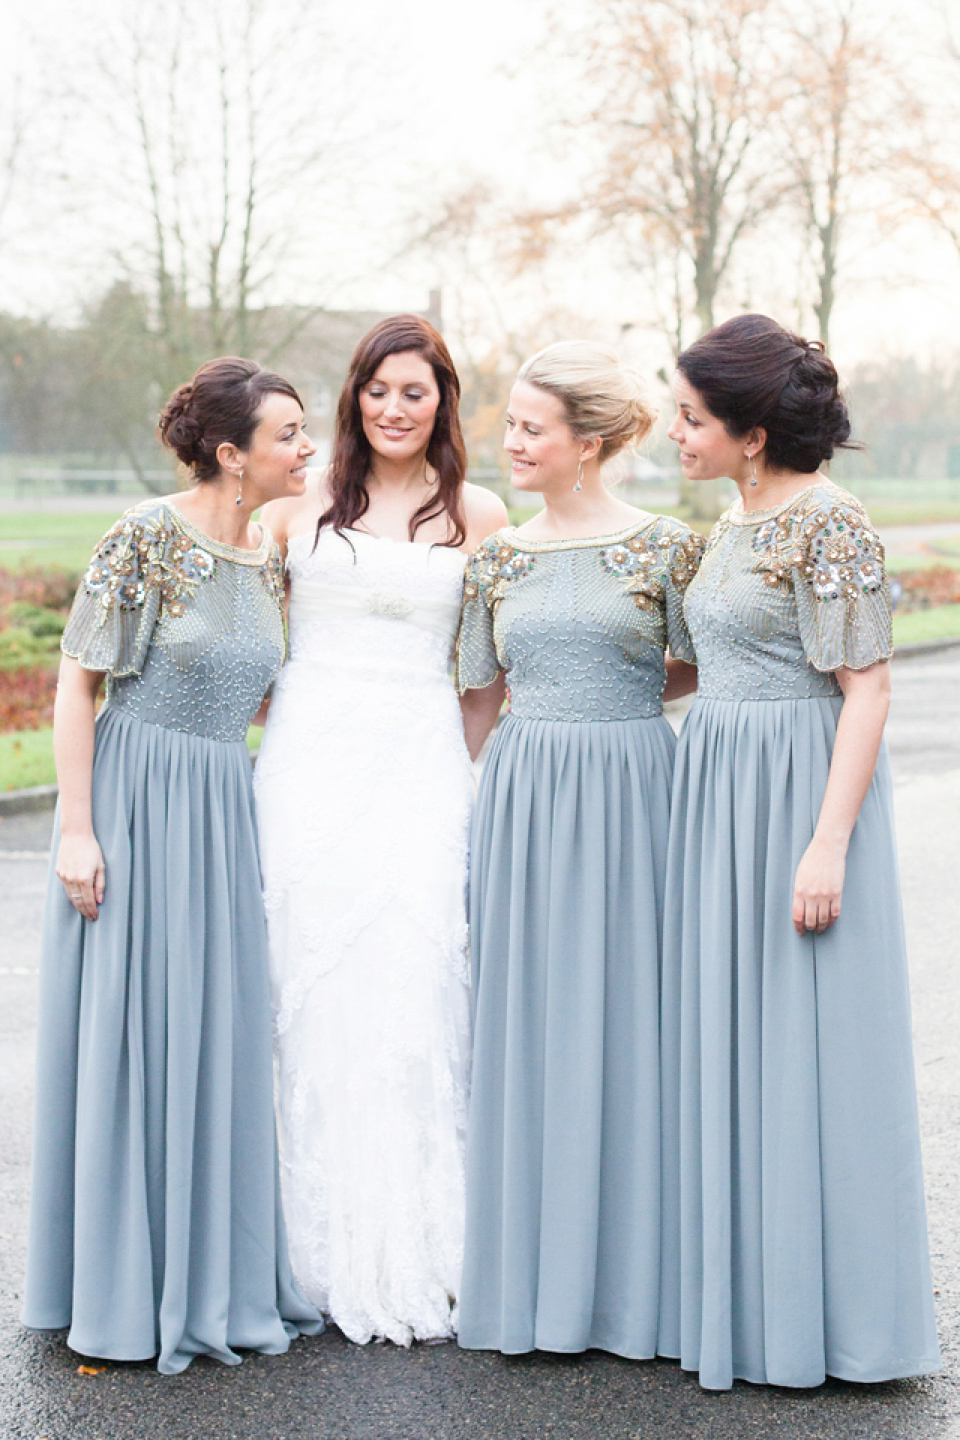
x: 26, y: 757
x: 63, y: 540
x: 897, y: 564
x: 940, y: 622
x: 885, y: 512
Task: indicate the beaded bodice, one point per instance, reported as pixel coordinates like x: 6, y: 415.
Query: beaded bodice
x: 189, y: 631
x: 785, y: 597
x: 580, y: 626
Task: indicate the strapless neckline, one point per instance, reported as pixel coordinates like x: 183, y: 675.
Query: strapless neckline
x: 430, y: 546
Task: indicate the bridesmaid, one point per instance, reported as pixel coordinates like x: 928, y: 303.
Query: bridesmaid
x: 155, y: 1221
x: 576, y: 608
x: 795, y: 1241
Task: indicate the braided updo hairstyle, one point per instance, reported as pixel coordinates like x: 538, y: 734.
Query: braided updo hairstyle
x: 219, y: 406
x: 751, y: 372
x: 599, y: 394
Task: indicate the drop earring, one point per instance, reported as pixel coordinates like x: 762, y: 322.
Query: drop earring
x: 240, y: 488
x: 579, y: 484
x: 753, y: 469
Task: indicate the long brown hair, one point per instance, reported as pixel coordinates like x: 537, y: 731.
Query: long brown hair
x: 446, y: 452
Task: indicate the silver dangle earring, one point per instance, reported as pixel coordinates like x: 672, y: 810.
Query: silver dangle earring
x: 240, y: 488
x: 579, y: 484
x: 753, y: 469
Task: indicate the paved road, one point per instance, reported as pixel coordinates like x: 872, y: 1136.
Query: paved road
x: 921, y: 540
x: 326, y: 1389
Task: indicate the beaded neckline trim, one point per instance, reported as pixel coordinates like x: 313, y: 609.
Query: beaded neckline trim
x: 219, y: 547
x: 738, y: 516
x: 582, y: 542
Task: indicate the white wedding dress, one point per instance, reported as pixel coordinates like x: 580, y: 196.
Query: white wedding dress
x: 363, y: 789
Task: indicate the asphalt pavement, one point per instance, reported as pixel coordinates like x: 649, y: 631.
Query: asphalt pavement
x: 328, y: 1389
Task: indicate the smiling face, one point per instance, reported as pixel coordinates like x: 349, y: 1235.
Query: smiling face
x: 275, y: 462
x: 398, y: 406
x: 707, y: 449
x: 544, y: 452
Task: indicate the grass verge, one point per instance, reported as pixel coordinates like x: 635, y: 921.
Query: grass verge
x: 940, y: 622
x: 26, y: 757
x: 64, y: 541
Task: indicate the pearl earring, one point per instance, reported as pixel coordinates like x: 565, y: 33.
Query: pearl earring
x: 579, y: 484
x: 240, y: 488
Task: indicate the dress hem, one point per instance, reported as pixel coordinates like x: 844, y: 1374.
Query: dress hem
x: 912, y: 1370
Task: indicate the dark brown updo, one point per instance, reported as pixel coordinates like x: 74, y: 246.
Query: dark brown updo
x: 752, y: 372
x: 219, y: 406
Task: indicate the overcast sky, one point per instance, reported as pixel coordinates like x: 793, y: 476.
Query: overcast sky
x: 442, y: 107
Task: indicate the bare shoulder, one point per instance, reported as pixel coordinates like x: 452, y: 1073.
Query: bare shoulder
x: 295, y: 513
x: 484, y: 512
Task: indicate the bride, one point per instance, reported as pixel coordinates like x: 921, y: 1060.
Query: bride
x: 363, y: 790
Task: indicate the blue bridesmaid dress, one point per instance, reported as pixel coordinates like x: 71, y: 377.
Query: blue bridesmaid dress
x: 795, y: 1241
x: 567, y: 894
x: 155, y: 1224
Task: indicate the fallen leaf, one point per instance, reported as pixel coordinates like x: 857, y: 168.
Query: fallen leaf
x: 90, y: 1369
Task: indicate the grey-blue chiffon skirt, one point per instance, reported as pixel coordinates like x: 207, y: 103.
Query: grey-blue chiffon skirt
x: 155, y: 1224
x: 567, y: 894
x: 795, y: 1239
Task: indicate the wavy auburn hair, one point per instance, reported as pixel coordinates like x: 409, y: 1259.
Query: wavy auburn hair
x: 446, y: 452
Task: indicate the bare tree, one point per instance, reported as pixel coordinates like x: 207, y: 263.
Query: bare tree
x: 841, y: 132
x: 217, y: 152
x: 12, y: 138
x: 681, y: 93
x: 931, y: 167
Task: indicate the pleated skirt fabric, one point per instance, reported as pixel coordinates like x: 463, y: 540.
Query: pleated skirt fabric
x: 794, y: 1231
x: 155, y: 1224
x: 567, y: 896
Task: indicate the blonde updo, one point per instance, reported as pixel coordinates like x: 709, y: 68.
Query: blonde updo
x: 599, y: 394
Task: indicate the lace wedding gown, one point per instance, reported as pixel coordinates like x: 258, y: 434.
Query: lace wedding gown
x: 363, y: 791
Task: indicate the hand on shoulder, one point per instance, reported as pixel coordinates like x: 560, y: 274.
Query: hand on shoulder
x: 484, y: 512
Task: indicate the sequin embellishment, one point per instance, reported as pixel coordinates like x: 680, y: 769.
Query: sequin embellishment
x: 142, y: 554
x: 648, y: 563
x: 491, y: 568
x: 833, y: 547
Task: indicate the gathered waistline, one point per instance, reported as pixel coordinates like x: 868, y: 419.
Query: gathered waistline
x: 583, y: 719
x: 112, y: 708
x: 762, y: 699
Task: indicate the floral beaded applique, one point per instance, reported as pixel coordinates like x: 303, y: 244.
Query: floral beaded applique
x: 140, y: 555
x: 833, y: 547
x: 491, y: 568
x: 648, y: 561
x: 272, y: 572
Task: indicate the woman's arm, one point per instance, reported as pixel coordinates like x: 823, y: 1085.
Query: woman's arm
x: 480, y: 709
x: 818, y: 888
x: 79, y: 860
x: 681, y: 679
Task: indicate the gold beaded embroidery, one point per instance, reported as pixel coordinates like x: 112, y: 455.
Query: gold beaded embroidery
x: 141, y: 554
x: 646, y: 562
x: 833, y: 547
x: 272, y: 572
x: 491, y: 568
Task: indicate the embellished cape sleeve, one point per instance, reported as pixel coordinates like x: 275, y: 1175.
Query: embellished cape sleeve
x: 683, y: 561
x: 843, y: 598
x: 118, y: 600
x: 477, y: 665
